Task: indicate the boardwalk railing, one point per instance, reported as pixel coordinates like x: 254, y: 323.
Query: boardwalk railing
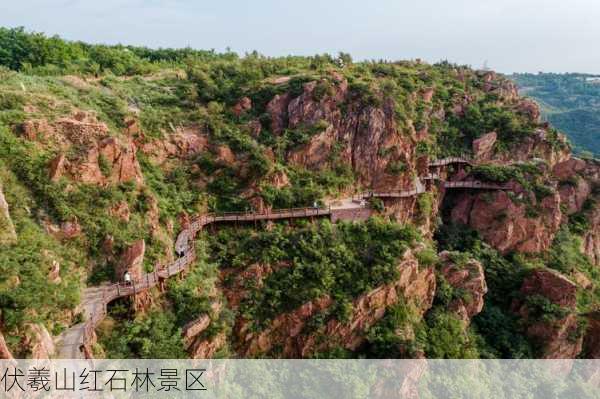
x: 184, y: 246
x: 463, y: 158
x: 476, y: 184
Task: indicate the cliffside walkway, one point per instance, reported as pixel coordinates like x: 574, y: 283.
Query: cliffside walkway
x: 74, y: 343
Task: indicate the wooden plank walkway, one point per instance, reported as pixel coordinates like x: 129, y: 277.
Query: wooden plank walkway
x: 75, y: 341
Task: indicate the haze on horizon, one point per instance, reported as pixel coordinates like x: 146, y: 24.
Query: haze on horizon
x: 510, y: 35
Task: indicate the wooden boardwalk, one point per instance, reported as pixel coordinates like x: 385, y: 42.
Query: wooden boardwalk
x: 75, y: 342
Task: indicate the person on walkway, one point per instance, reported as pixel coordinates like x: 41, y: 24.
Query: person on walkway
x: 127, y: 278
x: 315, y: 205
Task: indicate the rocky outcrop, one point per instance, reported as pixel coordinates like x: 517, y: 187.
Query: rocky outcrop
x: 108, y: 161
x: 558, y: 334
x: 551, y: 285
x: 8, y: 234
x: 530, y: 109
x: 54, y: 273
x: 506, y: 224
x: 132, y: 261
x: 277, y: 110
x: 245, y: 104
x: 121, y: 211
x: 206, y: 349
x: 571, y: 167
x: 414, y: 285
x: 38, y: 341
x: 591, y: 343
x: 484, y: 145
x: 5, y: 352
x: 578, y: 190
x: 360, y: 135
x: 194, y: 328
x: 590, y: 245
x: 469, y: 279
x: 537, y: 145
x: 185, y: 143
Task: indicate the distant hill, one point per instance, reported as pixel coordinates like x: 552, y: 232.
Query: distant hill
x: 571, y: 102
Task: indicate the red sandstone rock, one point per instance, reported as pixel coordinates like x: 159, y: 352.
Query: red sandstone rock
x: 483, y: 146
x: 36, y: 129
x: 194, y: 328
x: 572, y: 197
x: 591, y: 343
x: 552, y: 285
x: 57, y: 167
x: 277, y: 109
x: 468, y: 278
x: 569, y: 168
x: 132, y: 260
x: 245, y: 104
x: 8, y: 234
x: 590, y: 245
x: 558, y: 338
x: 5, y: 353
x: 529, y: 108
x: 206, y: 349
x: 132, y: 126
x: 70, y: 229
x: 39, y: 341
x: 505, y: 224
x: 121, y: 210
x: 414, y: 285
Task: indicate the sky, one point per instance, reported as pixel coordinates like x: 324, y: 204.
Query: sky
x: 507, y: 35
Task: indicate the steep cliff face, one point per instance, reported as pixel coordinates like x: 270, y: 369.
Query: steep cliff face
x: 7, y: 229
x: 293, y: 337
x: 504, y: 222
x: 114, y: 167
x: 557, y: 332
x: 358, y: 134
x: 467, y: 278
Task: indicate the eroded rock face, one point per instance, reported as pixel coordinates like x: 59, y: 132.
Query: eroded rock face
x: 414, y: 285
x: 557, y: 336
x: 591, y: 238
x: 360, y: 134
x: 536, y: 146
x: 4, y: 350
x: 108, y: 161
x: 569, y: 168
x: 591, y: 343
x: 39, y: 341
x: 194, y: 328
x: 8, y: 234
x: 505, y: 224
x: 483, y: 146
x: 530, y: 108
x: 242, y: 106
x: 206, y: 349
x: 468, y: 278
x: 132, y: 260
x: 186, y: 142
x: 551, y: 285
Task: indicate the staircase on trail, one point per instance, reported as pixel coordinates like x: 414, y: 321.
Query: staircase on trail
x: 74, y: 343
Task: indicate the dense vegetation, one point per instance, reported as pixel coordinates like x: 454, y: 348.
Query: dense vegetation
x: 165, y: 91
x: 570, y: 101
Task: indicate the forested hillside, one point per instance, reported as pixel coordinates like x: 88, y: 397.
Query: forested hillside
x: 571, y: 102
x: 481, y: 236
